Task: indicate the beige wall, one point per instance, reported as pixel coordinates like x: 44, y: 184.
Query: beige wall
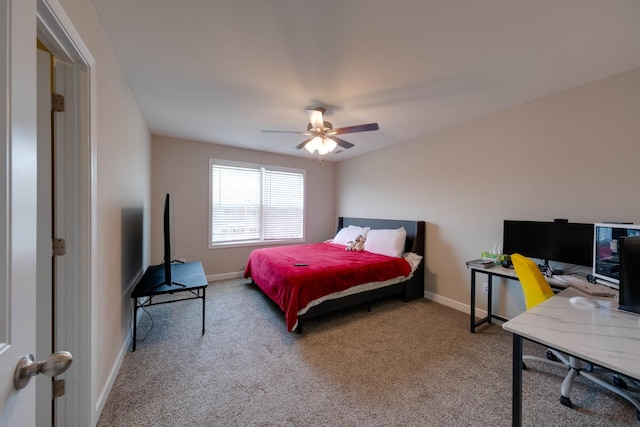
x: 571, y: 155
x: 122, y: 165
x: 180, y: 168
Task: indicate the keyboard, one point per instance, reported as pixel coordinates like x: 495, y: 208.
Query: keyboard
x: 580, y: 283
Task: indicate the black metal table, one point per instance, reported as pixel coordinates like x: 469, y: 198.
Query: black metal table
x: 501, y: 272
x: 191, y: 279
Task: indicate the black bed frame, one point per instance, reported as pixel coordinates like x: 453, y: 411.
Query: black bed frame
x: 409, y: 290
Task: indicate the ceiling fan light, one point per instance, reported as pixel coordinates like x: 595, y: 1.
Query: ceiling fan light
x: 329, y: 144
x: 314, y: 144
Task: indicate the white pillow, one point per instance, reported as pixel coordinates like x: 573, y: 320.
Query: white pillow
x: 349, y: 234
x: 386, y: 242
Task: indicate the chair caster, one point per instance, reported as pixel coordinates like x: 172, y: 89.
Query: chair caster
x: 566, y: 401
x: 551, y: 356
x: 619, y: 382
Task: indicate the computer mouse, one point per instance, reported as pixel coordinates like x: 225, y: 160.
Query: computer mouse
x: 583, y: 303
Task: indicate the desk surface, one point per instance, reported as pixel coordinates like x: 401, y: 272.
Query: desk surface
x: 605, y: 336
x: 189, y: 274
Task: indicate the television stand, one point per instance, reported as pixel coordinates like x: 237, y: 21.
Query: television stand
x: 190, y: 277
x: 165, y: 284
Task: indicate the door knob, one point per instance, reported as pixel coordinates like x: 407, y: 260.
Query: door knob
x: 53, y: 365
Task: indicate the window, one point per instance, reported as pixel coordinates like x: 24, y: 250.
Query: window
x: 255, y: 203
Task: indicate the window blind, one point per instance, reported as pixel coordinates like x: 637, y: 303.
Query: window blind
x: 255, y: 203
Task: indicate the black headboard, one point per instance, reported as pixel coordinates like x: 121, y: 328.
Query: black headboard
x: 415, y: 241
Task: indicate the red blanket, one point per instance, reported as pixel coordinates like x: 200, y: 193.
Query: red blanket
x: 329, y: 269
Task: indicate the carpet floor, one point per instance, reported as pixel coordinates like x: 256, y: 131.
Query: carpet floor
x: 402, y: 364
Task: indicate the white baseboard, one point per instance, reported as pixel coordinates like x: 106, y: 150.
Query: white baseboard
x: 456, y: 305
x: 111, y: 378
x: 225, y: 276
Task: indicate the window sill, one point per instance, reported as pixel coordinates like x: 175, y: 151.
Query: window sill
x: 255, y: 243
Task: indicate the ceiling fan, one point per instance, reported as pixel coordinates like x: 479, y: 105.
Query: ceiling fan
x: 322, y: 136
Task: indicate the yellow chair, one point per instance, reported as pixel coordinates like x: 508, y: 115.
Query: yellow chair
x: 536, y: 290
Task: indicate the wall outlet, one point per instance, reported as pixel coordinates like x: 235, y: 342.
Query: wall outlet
x: 485, y: 288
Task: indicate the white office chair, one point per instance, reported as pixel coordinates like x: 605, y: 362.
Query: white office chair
x: 536, y: 289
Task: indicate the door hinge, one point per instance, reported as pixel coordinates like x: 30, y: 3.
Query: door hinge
x: 57, y: 389
x: 59, y: 247
x: 57, y: 102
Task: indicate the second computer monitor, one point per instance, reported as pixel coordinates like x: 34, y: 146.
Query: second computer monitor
x: 629, y: 290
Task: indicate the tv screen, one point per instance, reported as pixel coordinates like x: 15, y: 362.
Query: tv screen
x: 606, y: 249
x: 167, y: 239
x: 570, y: 243
x: 629, y: 294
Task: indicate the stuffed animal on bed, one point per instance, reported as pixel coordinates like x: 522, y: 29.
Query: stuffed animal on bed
x: 356, y: 245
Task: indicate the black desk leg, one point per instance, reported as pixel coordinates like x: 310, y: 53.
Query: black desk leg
x: 489, y: 293
x: 473, y: 301
x: 135, y: 322
x: 203, y: 300
x: 516, y: 415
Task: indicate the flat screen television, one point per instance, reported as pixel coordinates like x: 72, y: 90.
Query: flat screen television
x: 629, y: 286
x: 167, y: 263
x: 168, y: 216
x: 606, y: 250
x: 563, y: 242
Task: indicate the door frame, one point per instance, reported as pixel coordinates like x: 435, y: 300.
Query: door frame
x: 76, y: 307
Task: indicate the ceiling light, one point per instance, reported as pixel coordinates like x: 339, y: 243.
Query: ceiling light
x: 330, y: 144
x: 314, y: 144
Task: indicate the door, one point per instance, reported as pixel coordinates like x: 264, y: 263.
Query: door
x: 18, y: 207
x: 51, y: 268
x: 44, y: 276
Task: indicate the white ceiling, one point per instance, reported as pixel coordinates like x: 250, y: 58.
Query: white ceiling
x: 222, y: 70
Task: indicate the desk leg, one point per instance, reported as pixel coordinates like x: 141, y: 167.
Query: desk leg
x: 516, y: 415
x: 473, y: 302
x: 203, y: 300
x: 489, y: 294
x: 135, y: 322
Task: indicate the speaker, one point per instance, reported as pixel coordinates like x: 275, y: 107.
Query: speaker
x: 506, y: 263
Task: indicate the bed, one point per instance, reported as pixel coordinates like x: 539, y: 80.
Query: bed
x: 309, y: 280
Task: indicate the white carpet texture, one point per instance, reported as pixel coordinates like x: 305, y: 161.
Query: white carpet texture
x: 402, y: 364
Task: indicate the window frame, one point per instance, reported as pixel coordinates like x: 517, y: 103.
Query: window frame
x: 262, y: 167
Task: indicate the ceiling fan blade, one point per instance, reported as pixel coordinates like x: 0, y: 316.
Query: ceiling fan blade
x: 316, y: 119
x: 353, y: 129
x: 303, y: 143
x: 341, y: 142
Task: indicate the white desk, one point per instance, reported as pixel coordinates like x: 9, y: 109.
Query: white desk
x: 605, y: 337
x: 497, y: 271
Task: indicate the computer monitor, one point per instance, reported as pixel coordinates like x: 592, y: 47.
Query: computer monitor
x: 629, y: 286
x: 525, y: 238
x: 564, y: 242
x: 606, y: 256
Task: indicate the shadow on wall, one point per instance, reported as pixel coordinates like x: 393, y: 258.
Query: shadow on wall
x: 443, y: 255
x: 430, y: 277
x: 131, y: 238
